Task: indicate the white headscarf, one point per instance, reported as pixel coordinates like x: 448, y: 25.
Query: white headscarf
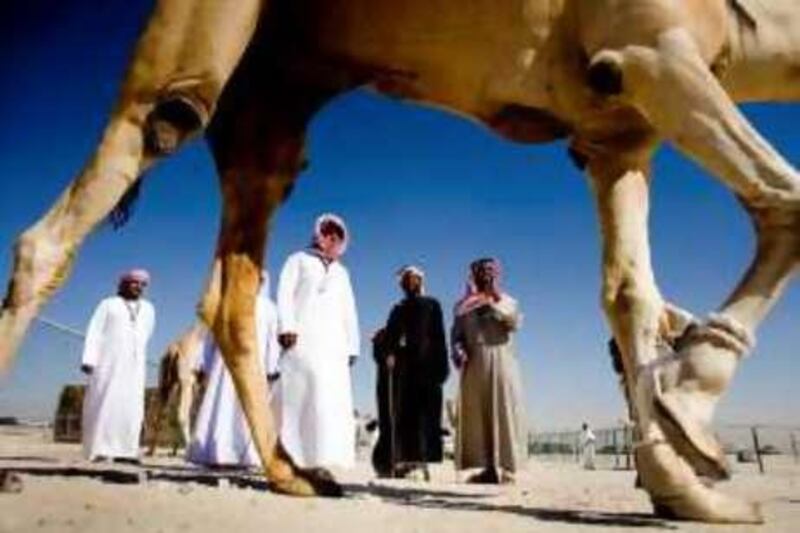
x: 335, y: 219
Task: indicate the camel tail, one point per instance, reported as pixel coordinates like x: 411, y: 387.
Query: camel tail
x: 124, y: 209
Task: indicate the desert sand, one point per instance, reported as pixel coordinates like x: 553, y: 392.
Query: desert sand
x: 62, y: 493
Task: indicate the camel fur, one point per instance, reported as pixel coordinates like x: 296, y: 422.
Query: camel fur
x: 614, y: 77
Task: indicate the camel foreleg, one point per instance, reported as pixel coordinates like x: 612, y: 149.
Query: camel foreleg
x: 181, y: 63
x: 258, y: 140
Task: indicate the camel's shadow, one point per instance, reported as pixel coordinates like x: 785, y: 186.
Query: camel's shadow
x: 438, y: 499
x: 139, y: 474
x: 408, y: 496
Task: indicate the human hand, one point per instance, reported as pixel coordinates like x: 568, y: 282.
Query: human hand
x: 287, y: 340
x: 460, y: 358
x: 390, y: 361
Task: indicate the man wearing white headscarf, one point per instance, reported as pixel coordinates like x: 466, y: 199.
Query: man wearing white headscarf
x: 221, y: 435
x: 491, y: 415
x: 114, y: 358
x: 320, y: 338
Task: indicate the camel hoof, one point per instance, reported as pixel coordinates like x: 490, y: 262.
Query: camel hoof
x: 691, y: 439
x: 702, y: 504
x: 295, y: 486
x: 677, y: 494
x: 308, y: 483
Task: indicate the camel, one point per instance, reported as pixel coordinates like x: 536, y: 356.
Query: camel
x: 178, y: 375
x: 614, y: 77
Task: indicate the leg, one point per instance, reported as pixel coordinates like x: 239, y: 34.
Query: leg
x: 181, y: 63
x: 671, y: 84
x: 185, y: 395
x: 257, y: 140
x: 709, y: 353
x: 634, y: 308
x: 674, y: 88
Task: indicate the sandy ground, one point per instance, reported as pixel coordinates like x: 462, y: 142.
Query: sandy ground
x: 64, y: 493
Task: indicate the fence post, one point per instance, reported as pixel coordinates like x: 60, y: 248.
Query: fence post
x: 794, y: 445
x: 628, y: 446
x: 754, y: 431
x: 616, y: 447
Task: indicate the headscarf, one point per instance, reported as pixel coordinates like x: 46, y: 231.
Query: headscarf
x: 472, y: 298
x: 137, y: 274
x: 326, y: 218
x: 412, y: 270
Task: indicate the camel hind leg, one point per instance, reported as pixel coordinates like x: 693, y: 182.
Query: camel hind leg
x: 181, y: 63
x: 635, y: 309
x: 257, y: 139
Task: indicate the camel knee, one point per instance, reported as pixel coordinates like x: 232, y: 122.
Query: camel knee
x: 40, y: 267
x: 634, y: 303
x: 174, y: 118
x: 605, y: 75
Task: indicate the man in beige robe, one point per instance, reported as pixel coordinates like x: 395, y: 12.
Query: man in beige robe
x: 491, y: 424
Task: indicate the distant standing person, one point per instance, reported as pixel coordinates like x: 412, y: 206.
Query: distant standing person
x: 411, y: 351
x: 114, y: 358
x: 221, y: 435
x: 587, y: 446
x: 319, y: 335
x: 491, y: 430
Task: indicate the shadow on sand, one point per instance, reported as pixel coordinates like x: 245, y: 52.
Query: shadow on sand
x: 136, y: 475
x: 410, y: 496
x: 435, y: 499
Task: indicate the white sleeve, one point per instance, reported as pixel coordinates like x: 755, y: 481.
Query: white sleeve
x: 353, y: 337
x: 94, y: 335
x: 273, y: 349
x: 152, y: 325
x: 507, y: 312
x: 209, y: 352
x: 287, y: 284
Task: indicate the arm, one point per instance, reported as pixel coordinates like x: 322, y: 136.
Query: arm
x: 94, y: 338
x: 287, y: 284
x: 350, y: 320
x: 458, y: 343
x: 439, y: 344
x: 273, y: 349
x: 507, y: 312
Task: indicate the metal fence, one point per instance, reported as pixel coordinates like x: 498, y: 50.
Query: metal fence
x: 757, y: 444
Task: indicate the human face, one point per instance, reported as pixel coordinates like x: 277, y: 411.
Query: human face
x: 411, y: 284
x: 484, y: 277
x: 330, y: 245
x: 131, y: 289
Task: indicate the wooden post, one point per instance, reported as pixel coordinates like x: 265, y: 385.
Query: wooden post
x: 616, y: 447
x: 793, y: 438
x: 628, y: 447
x: 754, y: 431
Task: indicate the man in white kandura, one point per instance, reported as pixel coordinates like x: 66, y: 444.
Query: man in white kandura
x: 587, y: 442
x: 320, y: 337
x: 221, y: 435
x: 114, y: 358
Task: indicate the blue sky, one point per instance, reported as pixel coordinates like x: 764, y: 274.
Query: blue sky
x: 415, y: 185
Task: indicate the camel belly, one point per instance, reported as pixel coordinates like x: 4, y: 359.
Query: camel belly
x: 472, y: 57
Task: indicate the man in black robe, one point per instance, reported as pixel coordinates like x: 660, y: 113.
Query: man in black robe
x: 411, y: 354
